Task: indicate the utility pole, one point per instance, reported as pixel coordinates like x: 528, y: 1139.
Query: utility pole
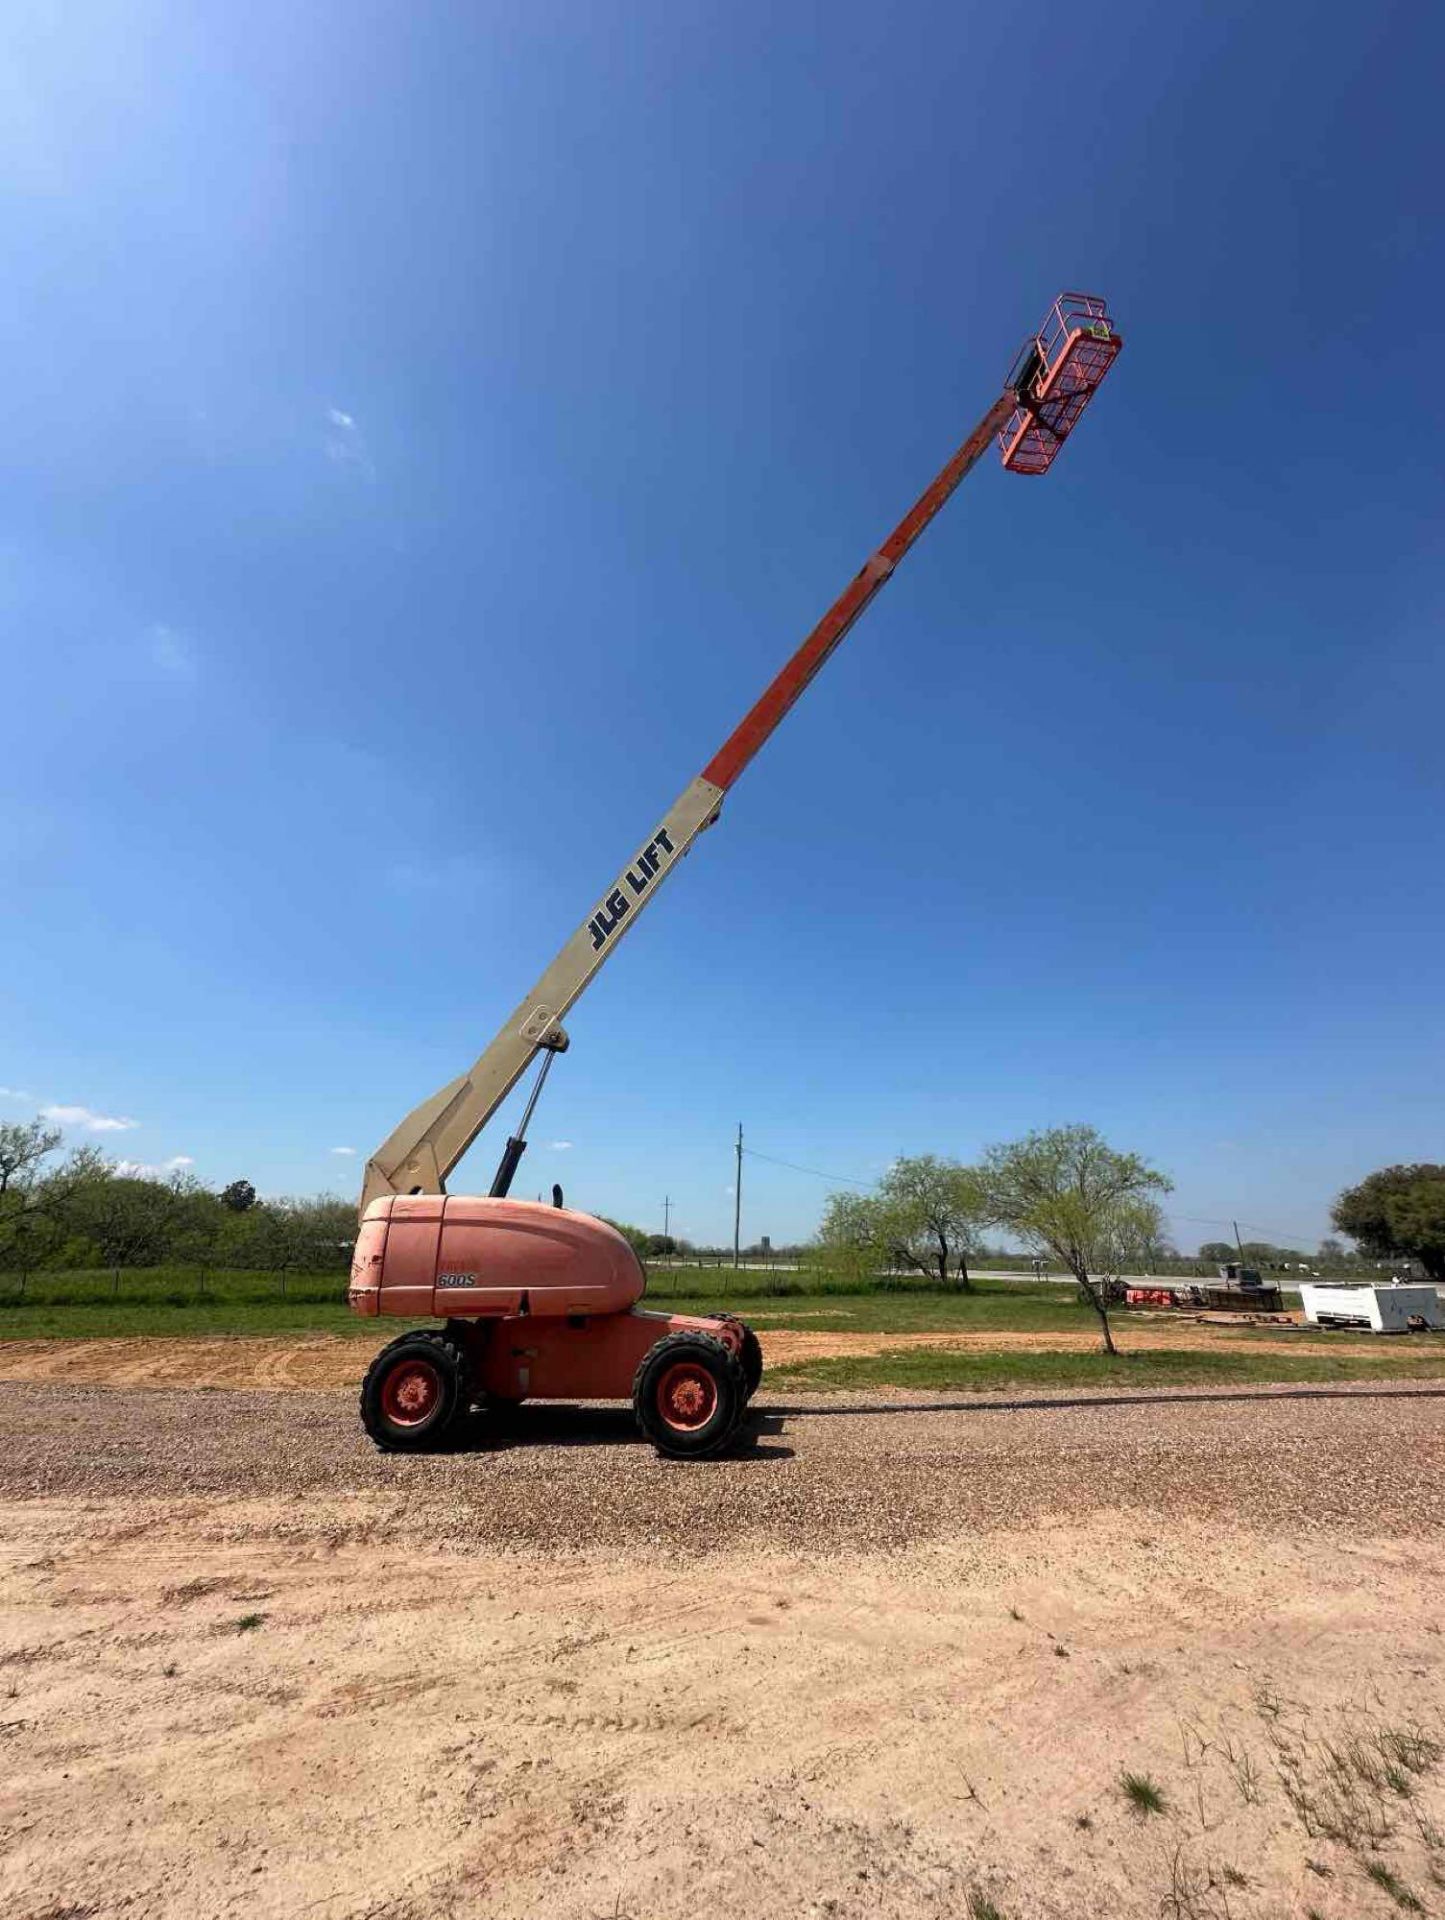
x: 666, y: 1216
x: 738, y: 1198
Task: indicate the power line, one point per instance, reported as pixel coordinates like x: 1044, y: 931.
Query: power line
x: 842, y: 1178
x: 1282, y: 1234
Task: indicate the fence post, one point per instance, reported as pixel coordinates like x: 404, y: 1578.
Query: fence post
x: 115, y: 1283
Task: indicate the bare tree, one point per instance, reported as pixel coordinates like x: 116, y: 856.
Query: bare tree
x: 1092, y: 1207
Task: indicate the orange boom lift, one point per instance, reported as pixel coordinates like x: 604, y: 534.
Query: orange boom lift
x: 542, y: 1302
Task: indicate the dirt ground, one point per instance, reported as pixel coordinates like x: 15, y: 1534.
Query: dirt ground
x: 318, y: 1360
x: 890, y: 1660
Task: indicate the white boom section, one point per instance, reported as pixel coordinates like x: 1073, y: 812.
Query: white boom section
x: 420, y: 1153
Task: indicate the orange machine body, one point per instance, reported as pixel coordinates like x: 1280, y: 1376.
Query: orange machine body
x: 543, y: 1298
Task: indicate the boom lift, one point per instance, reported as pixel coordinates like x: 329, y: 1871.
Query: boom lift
x: 541, y: 1302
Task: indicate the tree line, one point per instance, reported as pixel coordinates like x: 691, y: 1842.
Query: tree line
x: 84, y: 1211
x: 1066, y: 1193
x: 1062, y: 1191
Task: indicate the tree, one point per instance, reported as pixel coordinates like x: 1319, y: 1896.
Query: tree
x: 1092, y: 1207
x: 1217, y: 1251
x: 850, y: 1239
x: 1398, y: 1213
x: 128, y: 1219
x: 636, y: 1237
x: 933, y: 1211
x: 24, y: 1199
x: 239, y: 1196
x: 926, y: 1214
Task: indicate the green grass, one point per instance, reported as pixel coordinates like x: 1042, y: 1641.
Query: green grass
x: 1142, y: 1793
x: 172, y: 1301
x: 995, y: 1306
x: 939, y: 1371
x: 1391, y: 1883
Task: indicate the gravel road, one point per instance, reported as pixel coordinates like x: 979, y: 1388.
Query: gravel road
x: 888, y: 1663
x: 821, y: 1475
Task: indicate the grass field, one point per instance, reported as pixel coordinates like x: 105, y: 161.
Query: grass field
x: 939, y: 1371
x: 171, y: 1303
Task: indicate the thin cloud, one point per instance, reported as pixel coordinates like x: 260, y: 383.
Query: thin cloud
x: 560, y: 1146
x: 345, y: 444
x: 348, y: 1152
x: 15, y: 1093
x: 145, y: 1170
x: 92, y: 1122
x: 172, y: 652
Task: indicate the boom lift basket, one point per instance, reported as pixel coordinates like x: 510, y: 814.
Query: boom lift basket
x: 1055, y: 376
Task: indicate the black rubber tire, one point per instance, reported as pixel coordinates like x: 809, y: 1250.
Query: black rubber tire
x: 704, y: 1350
x: 752, y: 1360
x: 449, y: 1364
x: 751, y: 1353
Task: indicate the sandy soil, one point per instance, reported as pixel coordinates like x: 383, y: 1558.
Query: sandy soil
x: 892, y: 1658
x: 318, y: 1360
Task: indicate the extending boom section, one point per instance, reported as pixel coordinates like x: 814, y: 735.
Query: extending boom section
x: 421, y: 1152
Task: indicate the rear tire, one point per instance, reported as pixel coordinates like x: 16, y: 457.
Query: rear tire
x: 751, y: 1357
x: 750, y: 1352
x: 689, y: 1395
x: 414, y: 1391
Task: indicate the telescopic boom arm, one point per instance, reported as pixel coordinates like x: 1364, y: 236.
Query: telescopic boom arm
x: 422, y: 1151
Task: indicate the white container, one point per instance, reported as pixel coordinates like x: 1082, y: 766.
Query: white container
x: 1384, y: 1309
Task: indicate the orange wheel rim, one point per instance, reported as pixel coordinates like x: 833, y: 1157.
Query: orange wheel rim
x: 687, y: 1396
x: 410, y: 1393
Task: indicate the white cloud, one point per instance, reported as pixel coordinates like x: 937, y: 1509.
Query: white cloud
x: 172, y: 652
x: 345, y: 444
x: 15, y: 1093
x: 349, y: 1152
x: 560, y: 1146
x: 91, y: 1122
x: 143, y: 1169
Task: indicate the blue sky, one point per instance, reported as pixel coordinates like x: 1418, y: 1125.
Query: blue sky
x: 427, y: 428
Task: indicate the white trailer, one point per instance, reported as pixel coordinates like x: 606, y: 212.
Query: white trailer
x: 1391, y: 1309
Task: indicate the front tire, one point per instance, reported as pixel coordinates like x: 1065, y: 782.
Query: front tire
x: 414, y: 1391
x: 689, y: 1395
